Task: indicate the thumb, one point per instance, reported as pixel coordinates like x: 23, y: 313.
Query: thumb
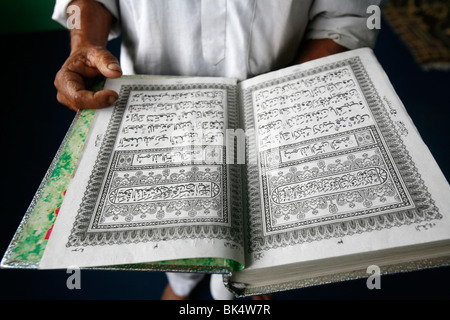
x: 105, y: 62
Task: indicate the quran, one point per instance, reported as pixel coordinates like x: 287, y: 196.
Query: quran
x: 301, y: 176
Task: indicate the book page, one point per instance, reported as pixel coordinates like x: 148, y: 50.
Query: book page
x: 153, y: 183
x: 336, y: 166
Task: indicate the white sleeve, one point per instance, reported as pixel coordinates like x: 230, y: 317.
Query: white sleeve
x: 60, y: 14
x: 344, y: 21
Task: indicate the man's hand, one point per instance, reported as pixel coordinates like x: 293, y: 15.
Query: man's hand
x: 88, y: 60
x: 318, y: 48
x: 78, y: 74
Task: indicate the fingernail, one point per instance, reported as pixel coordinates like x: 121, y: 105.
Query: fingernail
x: 111, y: 99
x: 114, y: 67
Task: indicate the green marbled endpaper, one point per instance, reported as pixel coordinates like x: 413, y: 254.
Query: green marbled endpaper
x: 28, y: 244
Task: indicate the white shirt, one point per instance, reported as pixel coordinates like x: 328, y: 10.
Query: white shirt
x: 229, y: 38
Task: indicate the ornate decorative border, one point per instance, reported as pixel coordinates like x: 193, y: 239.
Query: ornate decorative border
x: 376, y: 146
x: 424, y: 208
x: 159, y: 208
x: 82, y: 234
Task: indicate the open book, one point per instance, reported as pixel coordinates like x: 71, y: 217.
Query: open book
x: 301, y: 176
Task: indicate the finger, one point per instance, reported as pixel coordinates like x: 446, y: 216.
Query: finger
x: 63, y: 100
x: 84, y: 68
x: 105, y: 98
x: 86, y: 99
x: 105, y: 62
x: 66, y: 86
x: 72, y: 93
